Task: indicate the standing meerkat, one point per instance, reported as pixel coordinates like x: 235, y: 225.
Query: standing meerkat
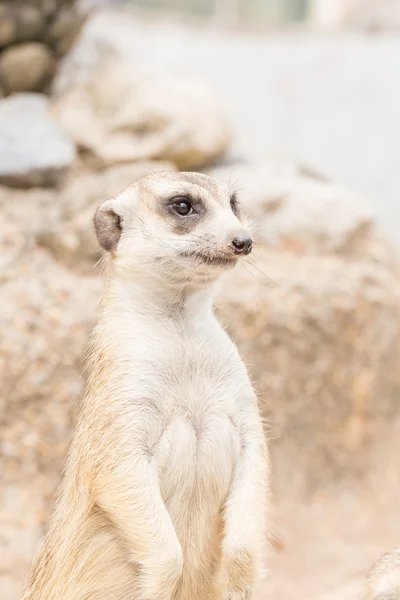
x: 383, y: 581
x: 165, y: 487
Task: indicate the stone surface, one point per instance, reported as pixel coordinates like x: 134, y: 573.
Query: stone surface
x: 30, y: 22
x: 44, y: 307
x: 370, y: 15
x: 322, y: 339
x: 33, y: 149
x: 33, y: 35
x: 26, y: 67
x: 7, y: 26
x: 65, y: 29
x: 121, y: 114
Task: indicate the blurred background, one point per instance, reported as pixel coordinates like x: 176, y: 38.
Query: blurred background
x: 297, y: 104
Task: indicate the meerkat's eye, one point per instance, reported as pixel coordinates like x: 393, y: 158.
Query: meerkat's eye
x: 234, y: 203
x: 182, y: 207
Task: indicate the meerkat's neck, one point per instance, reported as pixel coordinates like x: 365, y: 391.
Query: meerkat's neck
x: 147, y: 299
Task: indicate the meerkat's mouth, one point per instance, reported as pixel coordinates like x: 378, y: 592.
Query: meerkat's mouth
x: 215, y: 261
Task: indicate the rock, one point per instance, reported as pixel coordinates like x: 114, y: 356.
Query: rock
x: 121, y: 115
x: 321, y: 335
x: 33, y: 35
x: 26, y: 67
x: 49, y: 7
x: 79, y: 66
x: 294, y: 210
x: 30, y: 22
x: 370, y: 15
x: 44, y: 308
x: 7, y: 26
x: 64, y: 29
x: 33, y: 149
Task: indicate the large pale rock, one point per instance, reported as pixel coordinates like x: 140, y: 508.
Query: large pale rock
x: 122, y: 115
x: 44, y: 308
x: 375, y: 15
x: 321, y: 335
x: 26, y: 67
x: 292, y: 209
x: 33, y: 149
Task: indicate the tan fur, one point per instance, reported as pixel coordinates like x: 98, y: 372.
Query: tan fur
x: 165, y: 489
x: 383, y: 581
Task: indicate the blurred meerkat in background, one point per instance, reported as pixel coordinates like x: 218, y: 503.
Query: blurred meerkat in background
x: 383, y: 581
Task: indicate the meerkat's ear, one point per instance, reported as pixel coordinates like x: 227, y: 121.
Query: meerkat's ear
x: 108, y: 225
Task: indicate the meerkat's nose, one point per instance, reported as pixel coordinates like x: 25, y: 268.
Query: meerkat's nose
x: 242, y: 244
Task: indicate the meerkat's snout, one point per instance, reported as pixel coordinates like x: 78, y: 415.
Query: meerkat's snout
x: 243, y: 244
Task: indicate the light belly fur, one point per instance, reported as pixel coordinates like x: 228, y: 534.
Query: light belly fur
x: 194, y: 495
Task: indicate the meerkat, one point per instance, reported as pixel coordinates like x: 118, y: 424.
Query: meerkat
x: 383, y: 581
x: 164, y: 492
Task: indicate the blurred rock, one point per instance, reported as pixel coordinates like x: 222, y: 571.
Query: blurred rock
x: 30, y: 21
x: 294, y: 210
x: 7, y: 26
x: 64, y: 29
x: 123, y: 115
x: 79, y: 65
x: 26, y: 67
x: 33, y: 34
x: 369, y: 15
x: 45, y: 308
x: 33, y: 149
x: 321, y: 335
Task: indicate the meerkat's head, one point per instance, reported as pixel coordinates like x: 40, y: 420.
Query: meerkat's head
x: 182, y: 226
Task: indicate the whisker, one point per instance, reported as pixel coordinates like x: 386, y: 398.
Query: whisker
x: 258, y: 245
x: 252, y: 274
x: 252, y: 263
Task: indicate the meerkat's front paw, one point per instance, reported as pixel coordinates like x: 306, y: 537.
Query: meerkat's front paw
x: 240, y: 573
x: 245, y: 595
x: 160, y: 576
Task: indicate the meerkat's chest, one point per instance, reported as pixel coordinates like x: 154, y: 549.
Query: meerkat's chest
x: 198, y: 449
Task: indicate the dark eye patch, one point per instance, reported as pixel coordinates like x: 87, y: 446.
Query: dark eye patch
x: 181, y: 206
x: 234, y: 204
x: 195, y: 203
x: 186, y: 210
